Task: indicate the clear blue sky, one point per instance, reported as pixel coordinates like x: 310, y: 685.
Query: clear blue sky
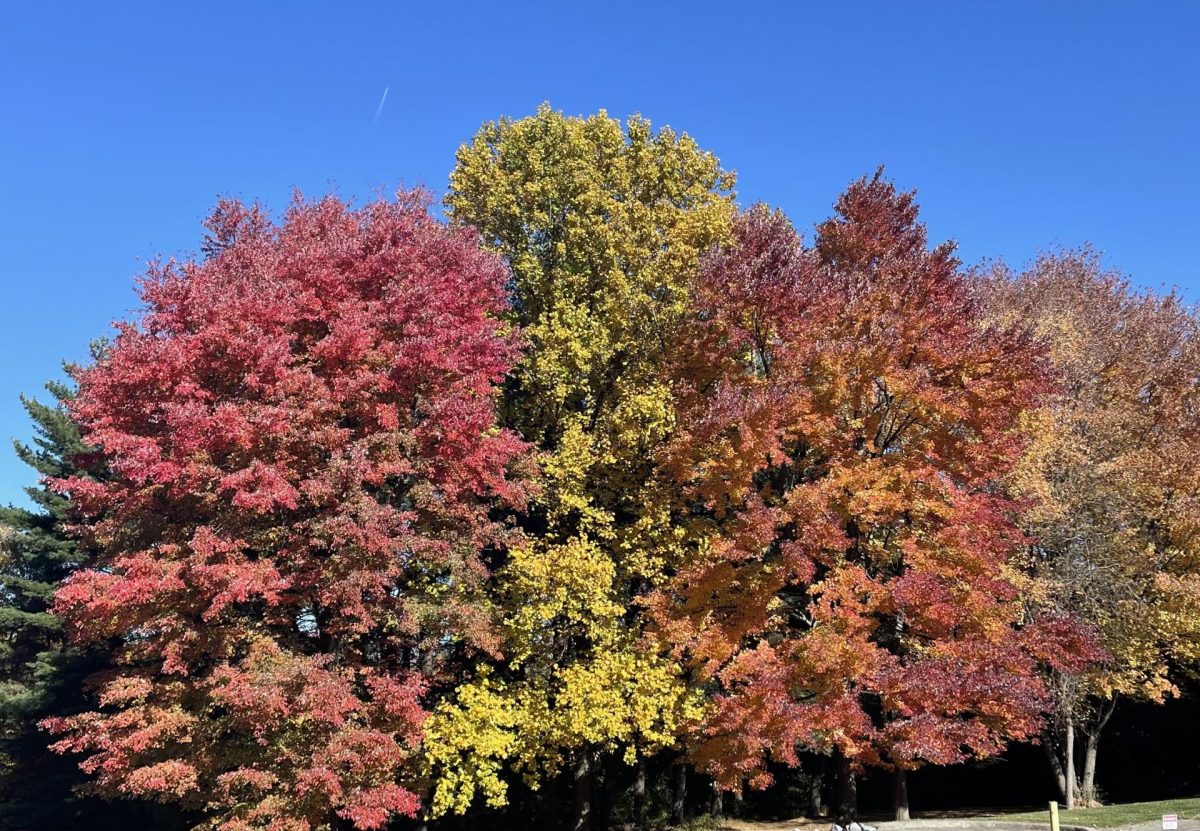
x: 1021, y: 124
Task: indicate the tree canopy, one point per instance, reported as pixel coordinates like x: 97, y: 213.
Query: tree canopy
x: 845, y: 418
x: 1111, y: 477
x: 303, y: 456
x: 368, y: 517
x: 602, y: 227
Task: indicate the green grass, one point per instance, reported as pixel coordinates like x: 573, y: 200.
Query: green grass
x: 1114, y: 816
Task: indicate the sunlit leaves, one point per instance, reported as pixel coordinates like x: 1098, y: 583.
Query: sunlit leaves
x: 603, y: 225
x: 305, y: 458
x: 1111, y: 472
x: 844, y: 419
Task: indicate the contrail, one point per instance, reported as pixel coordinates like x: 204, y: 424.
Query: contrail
x: 383, y: 99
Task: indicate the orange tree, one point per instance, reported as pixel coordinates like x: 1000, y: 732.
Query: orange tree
x: 844, y: 417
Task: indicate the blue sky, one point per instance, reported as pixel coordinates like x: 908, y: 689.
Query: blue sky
x: 1021, y: 124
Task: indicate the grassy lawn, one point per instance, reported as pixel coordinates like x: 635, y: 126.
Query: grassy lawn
x: 1114, y: 816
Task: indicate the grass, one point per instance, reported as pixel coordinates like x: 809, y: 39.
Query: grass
x: 1114, y: 816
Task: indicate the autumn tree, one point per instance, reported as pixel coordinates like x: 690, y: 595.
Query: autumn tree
x: 843, y: 418
x: 1112, y: 482
x: 302, y: 454
x: 603, y: 226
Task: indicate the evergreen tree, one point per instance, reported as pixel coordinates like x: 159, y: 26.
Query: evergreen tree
x: 41, y: 675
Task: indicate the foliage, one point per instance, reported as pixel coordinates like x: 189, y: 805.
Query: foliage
x: 843, y: 419
x: 1112, y: 477
x: 1116, y: 464
x: 303, y: 456
x: 374, y: 516
x: 37, y: 556
x: 603, y: 227
x: 41, y: 675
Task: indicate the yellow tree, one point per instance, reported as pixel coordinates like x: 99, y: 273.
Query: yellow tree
x: 1113, y: 482
x: 603, y: 225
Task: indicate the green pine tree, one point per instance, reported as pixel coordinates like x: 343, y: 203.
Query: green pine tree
x: 41, y: 674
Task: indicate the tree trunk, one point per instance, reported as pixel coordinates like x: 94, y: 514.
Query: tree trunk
x: 900, y: 794
x: 1088, y: 790
x: 679, y: 801
x: 1070, y: 760
x: 604, y: 776
x: 1056, y: 768
x: 847, y: 790
x: 639, y: 794
x: 581, y: 802
x: 816, y: 807
x: 717, y: 809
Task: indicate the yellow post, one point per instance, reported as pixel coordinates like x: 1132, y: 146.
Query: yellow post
x: 1053, y: 816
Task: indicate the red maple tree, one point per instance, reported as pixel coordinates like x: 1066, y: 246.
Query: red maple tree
x: 844, y: 419
x: 303, y: 453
